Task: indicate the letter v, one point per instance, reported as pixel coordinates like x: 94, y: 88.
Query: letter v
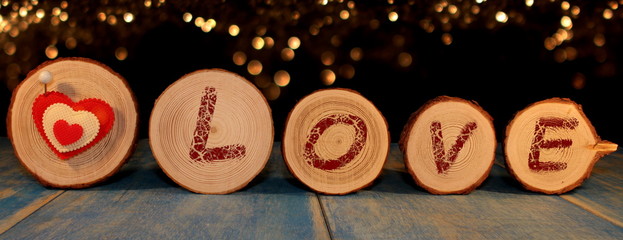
x: 442, y: 161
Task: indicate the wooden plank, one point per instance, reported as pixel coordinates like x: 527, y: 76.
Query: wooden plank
x: 141, y: 202
x: 20, y: 193
x: 394, y: 208
x: 602, y: 193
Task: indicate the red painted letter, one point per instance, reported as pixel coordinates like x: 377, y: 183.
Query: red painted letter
x: 443, y: 163
x: 538, y: 143
x: 198, y: 151
x: 361, y: 133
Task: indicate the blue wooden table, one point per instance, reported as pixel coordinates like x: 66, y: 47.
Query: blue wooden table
x: 140, y: 202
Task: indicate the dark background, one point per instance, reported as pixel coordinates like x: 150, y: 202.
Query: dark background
x: 504, y: 66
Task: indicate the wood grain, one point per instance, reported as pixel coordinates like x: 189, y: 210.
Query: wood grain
x: 335, y: 141
x: 211, y: 131
x: 78, y: 78
x: 551, y: 146
x: 449, y: 145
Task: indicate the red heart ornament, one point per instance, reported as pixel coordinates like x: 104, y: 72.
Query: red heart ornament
x: 67, y: 134
x: 76, y: 127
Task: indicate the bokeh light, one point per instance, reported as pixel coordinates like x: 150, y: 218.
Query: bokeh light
x: 121, y: 53
x: 392, y: 16
x: 187, y: 17
x: 234, y: 30
x: 239, y: 58
x: 51, y: 52
x: 405, y: 59
x: 566, y: 22
x: 347, y: 71
x: 356, y: 54
x: 128, y: 17
x: 282, y: 78
x: 327, y: 58
x: 446, y: 38
x: 287, y: 54
x: 269, y: 42
x: 327, y: 77
x: 344, y: 14
x: 257, y: 43
x: 271, y: 92
x: 294, y: 43
x: 254, y: 67
x: 501, y: 17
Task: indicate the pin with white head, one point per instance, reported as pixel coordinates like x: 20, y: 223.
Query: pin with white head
x: 45, y: 77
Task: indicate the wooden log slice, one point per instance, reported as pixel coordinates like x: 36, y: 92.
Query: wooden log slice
x: 449, y: 145
x: 335, y: 141
x: 211, y: 131
x: 551, y: 146
x: 103, y: 96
